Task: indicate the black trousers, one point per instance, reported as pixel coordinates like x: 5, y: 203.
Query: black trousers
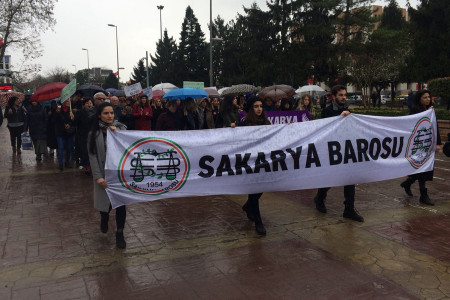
x: 349, y: 194
x: 14, y: 134
x: 121, y: 216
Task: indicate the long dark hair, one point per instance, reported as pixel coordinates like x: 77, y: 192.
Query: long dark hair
x: 95, y: 128
x: 227, y: 104
x: 251, y: 118
x: 416, y: 101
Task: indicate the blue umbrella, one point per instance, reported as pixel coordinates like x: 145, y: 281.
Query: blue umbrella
x: 185, y: 93
x: 111, y: 91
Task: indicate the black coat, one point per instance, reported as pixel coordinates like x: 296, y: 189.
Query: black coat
x: 37, y: 122
x: 329, y: 112
x: 17, y: 116
x: 59, y: 120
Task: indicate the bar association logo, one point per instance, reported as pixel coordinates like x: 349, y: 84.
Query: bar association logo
x: 420, y: 143
x: 154, y: 166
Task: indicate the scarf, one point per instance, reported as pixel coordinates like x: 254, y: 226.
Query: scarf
x: 104, y: 125
x: 340, y: 107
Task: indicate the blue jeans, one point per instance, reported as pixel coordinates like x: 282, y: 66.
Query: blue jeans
x: 64, y: 142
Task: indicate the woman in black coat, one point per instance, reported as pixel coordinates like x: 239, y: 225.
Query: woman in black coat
x: 421, y: 102
x: 15, y: 114
x: 83, y: 123
x: 52, y: 144
x: 37, y: 126
x: 255, y: 116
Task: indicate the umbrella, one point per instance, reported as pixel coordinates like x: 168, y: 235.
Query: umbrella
x: 119, y: 93
x: 157, y: 93
x: 111, y: 91
x: 48, y: 92
x: 310, y: 88
x: 4, y: 97
x: 277, y: 92
x: 240, y: 89
x: 212, y: 91
x: 220, y: 91
x: 88, y: 90
x: 165, y: 87
x: 185, y: 93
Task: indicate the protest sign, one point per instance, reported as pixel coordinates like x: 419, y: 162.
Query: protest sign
x: 148, y: 91
x: 68, y: 90
x: 283, y: 117
x: 134, y: 89
x: 145, y: 166
x: 194, y: 85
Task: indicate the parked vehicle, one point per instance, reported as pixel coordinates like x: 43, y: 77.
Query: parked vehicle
x: 385, y: 98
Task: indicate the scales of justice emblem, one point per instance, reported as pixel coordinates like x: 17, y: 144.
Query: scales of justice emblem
x: 154, y: 166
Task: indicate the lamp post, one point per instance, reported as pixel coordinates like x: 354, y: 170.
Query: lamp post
x: 87, y: 51
x: 146, y: 68
x: 160, y: 7
x: 117, y: 52
x: 211, y: 40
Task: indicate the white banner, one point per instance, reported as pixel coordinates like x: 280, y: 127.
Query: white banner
x: 150, y: 165
x: 134, y: 89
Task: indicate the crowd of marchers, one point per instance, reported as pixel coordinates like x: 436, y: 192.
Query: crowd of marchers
x: 76, y: 130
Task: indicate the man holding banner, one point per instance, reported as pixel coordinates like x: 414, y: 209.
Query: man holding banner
x: 338, y: 107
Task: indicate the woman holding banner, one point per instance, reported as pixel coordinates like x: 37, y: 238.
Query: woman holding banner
x: 229, y: 111
x: 97, y: 157
x: 421, y: 102
x: 255, y: 116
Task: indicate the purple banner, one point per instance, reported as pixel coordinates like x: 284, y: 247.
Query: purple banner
x: 283, y: 117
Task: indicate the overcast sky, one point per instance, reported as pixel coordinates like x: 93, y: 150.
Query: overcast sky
x: 83, y: 24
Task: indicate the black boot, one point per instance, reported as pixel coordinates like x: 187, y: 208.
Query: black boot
x: 104, y: 218
x: 319, y: 200
x: 120, y: 240
x: 249, y: 213
x: 349, y: 211
x: 253, y: 205
x: 424, y: 197
x: 407, y: 185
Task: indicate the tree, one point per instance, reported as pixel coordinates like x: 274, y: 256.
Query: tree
x: 58, y: 74
x: 22, y: 22
x: 162, y: 68
x: 193, y: 57
x: 111, y: 81
x: 82, y: 77
x: 139, y: 73
x: 430, y: 35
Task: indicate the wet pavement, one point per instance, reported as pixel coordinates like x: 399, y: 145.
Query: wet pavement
x: 51, y: 246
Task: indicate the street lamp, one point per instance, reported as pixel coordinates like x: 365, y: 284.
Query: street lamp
x: 117, y: 51
x: 75, y: 67
x: 160, y: 7
x: 87, y: 60
x: 211, y: 40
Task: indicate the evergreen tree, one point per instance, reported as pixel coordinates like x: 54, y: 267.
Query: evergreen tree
x: 139, y: 73
x: 193, y: 57
x: 430, y: 34
x: 111, y: 81
x: 162, y: 68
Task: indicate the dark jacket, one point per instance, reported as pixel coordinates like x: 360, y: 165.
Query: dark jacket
x: 230, y: 117
x: 157, y: 111
x: 170, y: 122
x: 37, y: 122
x: 59, y: 120
x: 17, y: 116
x: 329, y: 111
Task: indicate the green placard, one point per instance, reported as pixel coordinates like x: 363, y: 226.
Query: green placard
x: 68, y: 90
x: 194, y: 84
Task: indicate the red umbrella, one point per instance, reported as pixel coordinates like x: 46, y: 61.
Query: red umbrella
x: 48, y: 92
x: 157, y: 94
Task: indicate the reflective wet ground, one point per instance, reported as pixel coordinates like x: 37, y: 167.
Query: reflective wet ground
x: 51, y: 246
